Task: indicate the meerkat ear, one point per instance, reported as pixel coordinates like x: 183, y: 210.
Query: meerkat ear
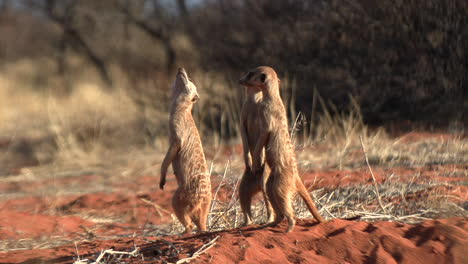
x: 262, y: 77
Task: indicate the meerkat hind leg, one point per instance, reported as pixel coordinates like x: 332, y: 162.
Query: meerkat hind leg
x: 271, y: 193
x: 205, y: 210
x: 200, y: 215
x: 197, y: 219
x: 286, y: 207
x: 182, y: 211
x: 269, y: 208
x: 266, y: 198
x: 185, y: 220
x: 282, y: 202
x: 247, y: 189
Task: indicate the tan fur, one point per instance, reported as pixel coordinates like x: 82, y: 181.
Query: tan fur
x: 252, y: 184
x: 284, y: 181
x: 192, y: 199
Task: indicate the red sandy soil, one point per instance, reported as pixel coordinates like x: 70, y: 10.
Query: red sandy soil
x: 96, y: 219
x: 16, y: 225
x: 337, y: 241
x: 126, y: 208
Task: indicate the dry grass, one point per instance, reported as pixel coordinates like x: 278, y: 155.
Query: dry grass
x: 397, y: 194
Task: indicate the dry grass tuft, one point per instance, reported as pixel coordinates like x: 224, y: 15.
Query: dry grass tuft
x: 341, y: 148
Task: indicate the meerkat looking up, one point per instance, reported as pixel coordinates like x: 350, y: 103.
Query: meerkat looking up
x: 284, y: 181
x: 192, y: 199
x: 252, y: 184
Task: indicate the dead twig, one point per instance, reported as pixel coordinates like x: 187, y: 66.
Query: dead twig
x: 214, y: 201
x: 230, y: 205
x: 200, y: 251
x: 158, y: 208
x: 134, y: 253
x: 379, y: 200
x: 219, y: 186
x: 112, y: 255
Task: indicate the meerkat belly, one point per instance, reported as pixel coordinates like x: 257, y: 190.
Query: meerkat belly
x: 278, y: 151
x: 190, y: 160
x: 254, y: 129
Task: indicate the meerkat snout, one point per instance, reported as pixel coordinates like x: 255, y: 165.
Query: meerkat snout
x: 245, y: 79
x: 254, y: 79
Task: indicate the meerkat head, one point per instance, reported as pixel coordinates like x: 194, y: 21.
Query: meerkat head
x: 184, y: 88
x: 260, y: 78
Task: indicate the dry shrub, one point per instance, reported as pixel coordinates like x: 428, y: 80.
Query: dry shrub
x: 82, y: 127
x: 399, y: 59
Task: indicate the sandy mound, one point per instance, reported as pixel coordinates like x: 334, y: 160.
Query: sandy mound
x: 338, y: 241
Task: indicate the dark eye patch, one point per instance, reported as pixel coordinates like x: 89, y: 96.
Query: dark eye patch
x: 262, y: 77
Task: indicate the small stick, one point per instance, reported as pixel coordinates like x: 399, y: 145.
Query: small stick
x: 229, y: 205
x: 293, y: 128
x: 373, y: 177
x: 221, y: 182
x: 77, y: 253
x: 200, y: 251
x: 214, y: 201
x: 157, y: 207
x: 79, y: 260
x: 134, y: 253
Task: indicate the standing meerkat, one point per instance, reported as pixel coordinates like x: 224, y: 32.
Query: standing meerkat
x: 192, y: 199
x: 284, y: 181
x: 250, y: 129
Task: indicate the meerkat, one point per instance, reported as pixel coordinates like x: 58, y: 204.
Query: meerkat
x: 274, y: 139
x: 252, y: 184
x: 192, y: 199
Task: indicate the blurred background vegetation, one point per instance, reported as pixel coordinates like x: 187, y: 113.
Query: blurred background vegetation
x: 87, y: 71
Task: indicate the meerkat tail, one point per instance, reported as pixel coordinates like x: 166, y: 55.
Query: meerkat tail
x: 309, y: 202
